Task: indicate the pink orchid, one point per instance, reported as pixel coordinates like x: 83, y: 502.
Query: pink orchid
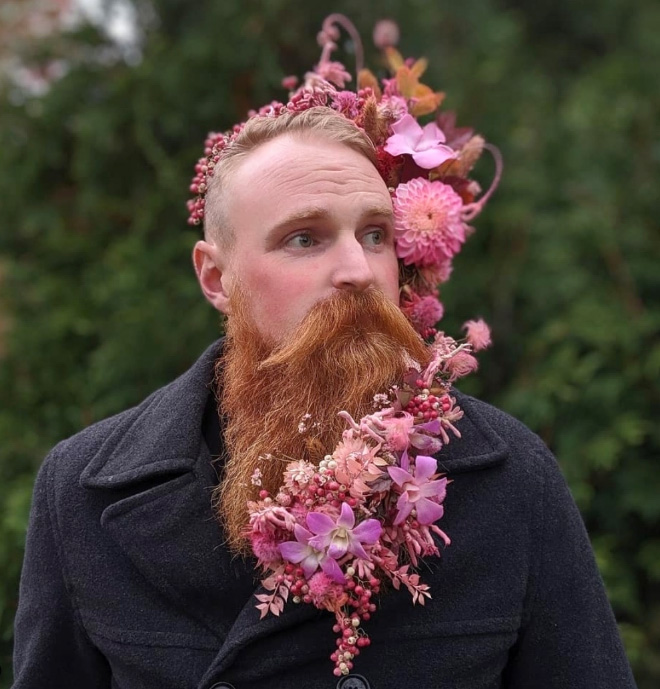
x: 418, y: 491
x: 310, y: 558
x: 339, y: 536
x: 426, y: 146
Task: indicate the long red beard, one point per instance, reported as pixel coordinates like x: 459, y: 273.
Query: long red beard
x: 347, y: 349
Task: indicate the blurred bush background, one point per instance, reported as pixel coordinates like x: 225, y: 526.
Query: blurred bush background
x: 103, y: 113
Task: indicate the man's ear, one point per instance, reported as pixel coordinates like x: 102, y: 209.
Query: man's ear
x: 210, y: 266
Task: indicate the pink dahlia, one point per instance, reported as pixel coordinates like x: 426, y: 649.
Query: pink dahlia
x: 427, y: 222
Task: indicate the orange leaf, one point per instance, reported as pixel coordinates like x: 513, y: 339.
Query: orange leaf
x: 394, y: 58
x: 419, y: 67
x: 367, y: 79
x: 427, y: 103
x: 406, y: 82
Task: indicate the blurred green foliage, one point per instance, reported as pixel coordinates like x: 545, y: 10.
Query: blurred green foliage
x: 99, y: 304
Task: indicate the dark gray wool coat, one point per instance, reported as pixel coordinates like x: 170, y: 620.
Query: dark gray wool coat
x: 126, y: 584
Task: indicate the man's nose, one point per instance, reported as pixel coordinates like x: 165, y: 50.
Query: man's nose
x: 352, y: 269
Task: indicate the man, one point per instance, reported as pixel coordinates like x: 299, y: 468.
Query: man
x: 138, y: 572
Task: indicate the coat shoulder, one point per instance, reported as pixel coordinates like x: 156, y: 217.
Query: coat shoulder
x: 528, y: 458
x: 151, y: 436
x: 514, y: 432
x: 68, y: 459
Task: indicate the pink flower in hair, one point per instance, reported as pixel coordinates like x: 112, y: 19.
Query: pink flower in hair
x: 393, y: 107
x: 334, y: 72
x: 423, y: 312
x: 435, y: 275
x: 346, y: 102
x: 478, y: 334
x: 386, y: 34
x: 428, y: 225
x: 426, y: 146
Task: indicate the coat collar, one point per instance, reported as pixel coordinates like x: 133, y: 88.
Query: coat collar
x: 162, y: 436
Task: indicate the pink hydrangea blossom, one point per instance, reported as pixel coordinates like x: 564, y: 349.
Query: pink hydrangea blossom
x: 428, y: 226
x: 425, y: 145
x: 478, y: 334
x: 418, y: 491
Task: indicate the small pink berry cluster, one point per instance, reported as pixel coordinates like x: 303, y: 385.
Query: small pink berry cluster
x: 351, y: 640
x: 213, y: 147
x: 425, y: 405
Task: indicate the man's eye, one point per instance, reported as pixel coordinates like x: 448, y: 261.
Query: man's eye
x: 301, y: 241
x: 375, y: 237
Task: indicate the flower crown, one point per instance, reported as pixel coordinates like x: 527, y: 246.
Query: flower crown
x: 426, y: 168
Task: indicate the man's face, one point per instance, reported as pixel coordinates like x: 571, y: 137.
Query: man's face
x: 309, y: 218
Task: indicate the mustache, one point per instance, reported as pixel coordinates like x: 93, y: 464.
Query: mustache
x: 343, y: 320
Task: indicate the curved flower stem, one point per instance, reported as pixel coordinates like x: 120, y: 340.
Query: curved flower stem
x: 473, y: 209
x: 329, y: 31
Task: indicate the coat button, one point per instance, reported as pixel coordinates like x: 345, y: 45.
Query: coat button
x: 353, y: 682
x: 223, y: 685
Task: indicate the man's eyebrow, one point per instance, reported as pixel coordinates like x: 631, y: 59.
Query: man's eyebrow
x: 385, y: 211
x: 319, y: 213
x: 309, y: 213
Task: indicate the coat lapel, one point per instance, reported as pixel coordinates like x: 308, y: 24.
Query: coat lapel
x: 157, y: 475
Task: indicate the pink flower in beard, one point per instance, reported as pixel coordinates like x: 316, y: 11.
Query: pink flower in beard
x: 419, y: 492
x: 340, y: 536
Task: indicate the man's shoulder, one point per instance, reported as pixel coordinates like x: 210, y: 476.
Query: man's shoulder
x: 162, y: 422
x: 513, y: 431
x: 72, y: 454
x: 491, y: 435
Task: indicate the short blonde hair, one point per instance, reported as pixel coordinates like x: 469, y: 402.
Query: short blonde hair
x: 320, y: 121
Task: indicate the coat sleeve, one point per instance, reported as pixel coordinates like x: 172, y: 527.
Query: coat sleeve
x: 51, y: 648
x: 569, y: 636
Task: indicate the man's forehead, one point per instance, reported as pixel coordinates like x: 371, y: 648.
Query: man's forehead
x: 318, y: 212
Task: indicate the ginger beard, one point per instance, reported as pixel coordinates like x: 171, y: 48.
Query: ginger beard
x: 347, y: 349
